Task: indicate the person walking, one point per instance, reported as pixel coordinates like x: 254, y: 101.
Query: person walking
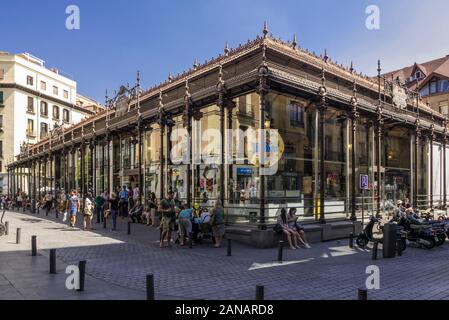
x: 113, y: 207
x: 217, y: 223
x: 73, y: 207
x: 123, y: 202
x: 99, y: 206
x: 88, y: 212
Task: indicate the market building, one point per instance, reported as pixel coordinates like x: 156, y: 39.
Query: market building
x: 335, y: 128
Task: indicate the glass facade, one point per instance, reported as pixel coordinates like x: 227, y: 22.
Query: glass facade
x: 295, y: 182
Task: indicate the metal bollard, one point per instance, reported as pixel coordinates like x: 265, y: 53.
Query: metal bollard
x: 398, y: 247
x: 229, y: 247
x: 6, y: 228
x: 362, y: 295
x: 104, y: 223
x: 129, y: 227
x: 19, y: 231
x: 351, y: 240
x: 52, y: 261
x: 82, y: 270
x: 280, y: 251
x: 260, y: 295
x: 34, y: 246
x: 190, y: 240
x: 150, y: 287
x: 375, y: 249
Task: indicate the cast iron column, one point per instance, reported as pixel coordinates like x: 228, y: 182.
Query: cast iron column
x: 322, y: 107
x: 34, y: 184
x: 161, y: 121
x: 82, y: 172
x: 39, y: 179
x: 188, y: 125
x: 230, y: 106
x: 354, y: 118
x: 380, y: 123
x: 444, y: 166
x: 416, y: 160
x: 431, y: 139
x: 93, y: 154
x: 221, y: 88
x: 263, y: 91
x: 52, y: 176
x: 140, y: 133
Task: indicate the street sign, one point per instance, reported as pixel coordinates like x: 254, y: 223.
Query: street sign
x: 364, y: 182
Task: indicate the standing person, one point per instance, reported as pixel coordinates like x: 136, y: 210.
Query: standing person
x: 88, y: 212
x: 48, y: 203
x: 73, y: 207
x: 99, y: 204
x: 62, y: 205
x: 123, y: 202
x: 167, y: 209
x: 19, y: 201
x: 153, y: 207
x: 136, y: 194
x: 113, y: 207
x: 217, y: 223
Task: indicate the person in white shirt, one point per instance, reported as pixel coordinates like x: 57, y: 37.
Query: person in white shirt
x: 136, y: 193
x: 88, y: 212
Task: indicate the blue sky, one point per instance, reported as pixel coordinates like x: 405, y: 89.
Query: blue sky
x: 157, y: 37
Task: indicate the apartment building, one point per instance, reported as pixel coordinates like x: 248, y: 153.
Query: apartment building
x: 33, y: 99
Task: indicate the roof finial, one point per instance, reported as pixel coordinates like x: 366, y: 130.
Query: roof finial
x: 226, y: 50
x: 170, y: 77
x: 265, y: 29
x: 326, y: 57
x: 379, y: 69
x: 351, y: 69
x: 196, y: 64
x: 294, y: 44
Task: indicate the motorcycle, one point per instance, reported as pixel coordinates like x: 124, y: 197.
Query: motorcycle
x: 366, y: 235
x: 420, y: 234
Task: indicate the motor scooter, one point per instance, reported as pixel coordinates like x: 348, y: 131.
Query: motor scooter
x: 366, y: 235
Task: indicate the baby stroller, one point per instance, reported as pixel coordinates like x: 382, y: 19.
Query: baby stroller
x: 201, y: 227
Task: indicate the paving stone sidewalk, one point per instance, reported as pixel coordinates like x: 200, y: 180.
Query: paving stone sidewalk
x: 117, y: 264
